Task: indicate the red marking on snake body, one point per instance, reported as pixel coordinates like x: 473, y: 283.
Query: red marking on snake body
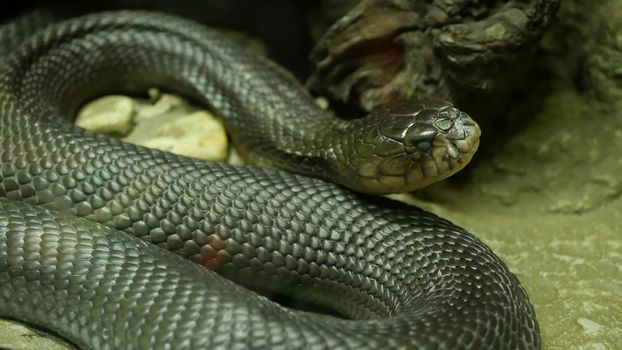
x: 215, y: 256
x: 211, y: 262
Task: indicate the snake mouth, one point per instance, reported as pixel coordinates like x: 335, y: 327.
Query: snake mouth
x: 467, y: 144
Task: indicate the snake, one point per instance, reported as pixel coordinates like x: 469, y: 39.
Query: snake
x: 112, y: 245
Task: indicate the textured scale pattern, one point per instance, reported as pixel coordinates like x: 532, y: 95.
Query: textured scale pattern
x: 78, y: 207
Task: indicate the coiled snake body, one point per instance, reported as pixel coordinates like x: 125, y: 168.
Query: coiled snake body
x: 74, y: 202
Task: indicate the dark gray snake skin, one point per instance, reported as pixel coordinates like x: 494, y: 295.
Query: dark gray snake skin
x: 78, y: 210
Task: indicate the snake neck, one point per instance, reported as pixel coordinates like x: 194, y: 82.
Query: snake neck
x: 313, y: 149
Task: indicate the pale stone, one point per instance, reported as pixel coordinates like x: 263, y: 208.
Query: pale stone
x: 198, y: 135
x: 163, y: 103
x: 590, y: 327
x: 322, y: 102
x: 109, y: 114
x: 234, y: 157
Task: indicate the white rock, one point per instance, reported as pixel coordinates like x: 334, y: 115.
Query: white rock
x: 234, y: 157
x: 164, y: 103
x: 109, y: 114
x: 198, y: 135
x: 322, y: 102
x: 590, y: 327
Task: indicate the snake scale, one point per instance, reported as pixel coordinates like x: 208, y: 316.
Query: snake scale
x: 87, y: 221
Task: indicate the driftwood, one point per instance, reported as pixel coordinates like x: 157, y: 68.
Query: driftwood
x: 468, y: 51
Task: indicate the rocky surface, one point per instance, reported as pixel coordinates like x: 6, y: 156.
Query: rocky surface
x: 545, y: 189
x: 167, y: 123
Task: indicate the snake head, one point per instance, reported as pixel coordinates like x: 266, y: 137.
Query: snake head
x: 411, y: 144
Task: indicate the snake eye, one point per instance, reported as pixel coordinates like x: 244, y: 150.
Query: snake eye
x: 420, y: 136
x: 424, y: 146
